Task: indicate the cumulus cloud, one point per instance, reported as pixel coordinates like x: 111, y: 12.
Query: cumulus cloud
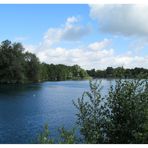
x: 98, y: 54
x: 86, y: 56
x: 31, y: 48
x: 125, y: 19
x: 100, y: 45
x: 95, y: 55
x: 71, y: 31
x: 129, y: 61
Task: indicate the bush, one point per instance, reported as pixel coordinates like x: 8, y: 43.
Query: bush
x: 128, y: 102
x: 91, y: 114
x: 65, y: 136
x: 119, y: 117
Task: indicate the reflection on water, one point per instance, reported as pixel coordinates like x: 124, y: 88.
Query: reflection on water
x: 24, y: 109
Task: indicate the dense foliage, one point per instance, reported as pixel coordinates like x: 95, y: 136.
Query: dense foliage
x: 120, y: 117
x: 18, y: 66
x: 118, y: 72
x: 62, y: 72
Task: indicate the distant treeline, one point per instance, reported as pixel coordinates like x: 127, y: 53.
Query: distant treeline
x: 18, y: 66
x: 119, y: 72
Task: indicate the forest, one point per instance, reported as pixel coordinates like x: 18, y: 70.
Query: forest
x: 19, y: 66
x: 119, y: 72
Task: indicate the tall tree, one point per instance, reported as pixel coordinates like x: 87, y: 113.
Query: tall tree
x: 32, y: 67
x: 11, y: 62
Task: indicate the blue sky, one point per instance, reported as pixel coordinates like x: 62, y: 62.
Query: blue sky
x: 34, y: 20
x: 93, y: 36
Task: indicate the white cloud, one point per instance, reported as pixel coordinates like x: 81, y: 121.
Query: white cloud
x: 71, y: 20
x: 128, y: 20
x: 87, y: 57
x: 30, y: 48
x: 71, y: 31
x: 130, y: 61
x: 137, y: 45
x: 100, y: 45
x: 97, y: 54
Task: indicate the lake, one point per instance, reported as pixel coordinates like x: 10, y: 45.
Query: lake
x: 24, y: 109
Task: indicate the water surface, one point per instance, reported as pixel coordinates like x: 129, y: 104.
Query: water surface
x: 24, y: 109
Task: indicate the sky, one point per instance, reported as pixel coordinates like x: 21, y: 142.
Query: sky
x: 92, y: 36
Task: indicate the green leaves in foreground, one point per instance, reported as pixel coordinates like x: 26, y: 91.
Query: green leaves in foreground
x: 44, y: 136
x: 65, y: 136
x: 119, y: 117
x: 91, y: 114
x: 128, y: 102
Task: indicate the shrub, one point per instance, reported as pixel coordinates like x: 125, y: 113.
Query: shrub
x: 119, y: 117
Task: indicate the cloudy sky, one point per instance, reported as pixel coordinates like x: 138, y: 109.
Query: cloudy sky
x: 92, y: 36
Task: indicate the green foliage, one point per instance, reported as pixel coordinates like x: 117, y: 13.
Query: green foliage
x: 65, y: 136
x: 91, y: 114
x: 17, y: 66
x: 32, y: 67
x: 119, y: 72
x: 44, y: 136
x: 120, y: 117
x: 11, y: 63
x: 62, y: 72
x: 128, y: 102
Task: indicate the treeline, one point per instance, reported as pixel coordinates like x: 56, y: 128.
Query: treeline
x: 62, y: 72
x: 118, y: 72
x: 18, y: 66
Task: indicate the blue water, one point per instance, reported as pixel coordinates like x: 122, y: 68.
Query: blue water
x: 24, y: 109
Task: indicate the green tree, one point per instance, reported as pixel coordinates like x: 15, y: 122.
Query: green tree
x: 44, y: 73
x: 91, y: 114
x: 120, y: 117
x: 128, y: 103
x: 32, y: 67
x: 11, y: 62
x: 78, y: 72
x: 109, y: 72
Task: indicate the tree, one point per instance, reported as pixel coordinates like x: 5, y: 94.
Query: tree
x: 92, y: 73
x: 120, y: 117
x: 91, y: 114
x: 44, y: 73
x: 119, y: 72
x: 109, y: 71
x: 11, y: 62
x: 128, y: 103
x: 62, y: 72
x: 32, y: 67
x: 78, y: 72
